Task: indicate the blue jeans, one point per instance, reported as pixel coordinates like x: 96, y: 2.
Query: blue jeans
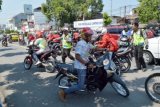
x: 81, y: 82
x: 108, y: 56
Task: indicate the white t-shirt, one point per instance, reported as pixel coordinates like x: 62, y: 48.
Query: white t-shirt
x: 82, y: 48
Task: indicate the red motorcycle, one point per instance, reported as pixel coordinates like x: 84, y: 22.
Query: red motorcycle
x: 44, y: 58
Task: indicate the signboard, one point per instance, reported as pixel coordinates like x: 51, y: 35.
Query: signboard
x: 88, y: 23
x: 28, y: 9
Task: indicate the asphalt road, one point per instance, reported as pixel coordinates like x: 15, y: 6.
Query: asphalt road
x: 36, y: 88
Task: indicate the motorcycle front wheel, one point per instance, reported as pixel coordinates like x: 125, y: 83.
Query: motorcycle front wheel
x: 152, y: 87
x: 119, y: 86
x: 28, y: 63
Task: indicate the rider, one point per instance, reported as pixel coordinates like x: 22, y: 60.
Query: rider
x: 41, y: 43
x: 82, y: 50
x: 53, y: 36
x: 111, y: 45
x: 4, y: 39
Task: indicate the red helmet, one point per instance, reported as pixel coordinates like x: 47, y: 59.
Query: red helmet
x: 87, y: 31
x: 39, y: 34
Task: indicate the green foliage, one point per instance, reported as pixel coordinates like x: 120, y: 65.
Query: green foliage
x: 148, y: 10
x: 107, y: 19
x: 67, y: 11
x: 10, y: 31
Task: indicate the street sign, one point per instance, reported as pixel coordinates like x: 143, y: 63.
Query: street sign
x: 88, y: 23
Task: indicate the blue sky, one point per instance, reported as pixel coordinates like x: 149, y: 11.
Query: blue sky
x: 13, y: 7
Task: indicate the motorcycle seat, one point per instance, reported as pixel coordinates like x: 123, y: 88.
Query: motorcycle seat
x: 123, y: 52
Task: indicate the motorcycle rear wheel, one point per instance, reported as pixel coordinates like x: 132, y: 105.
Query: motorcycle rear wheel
x: 49, y: 67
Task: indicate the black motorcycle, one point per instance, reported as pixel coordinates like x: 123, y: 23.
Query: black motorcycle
x: 10, y: 39
x: 122, y: 58
x: 124, y: 41
x: 55, y: 46
x: 44, y: 58
x: 152, y: 87
x: 4, y: 42
x: 96, y: 78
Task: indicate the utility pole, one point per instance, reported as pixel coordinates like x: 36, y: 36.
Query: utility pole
x: 125, y: 11
x: 111, y: 8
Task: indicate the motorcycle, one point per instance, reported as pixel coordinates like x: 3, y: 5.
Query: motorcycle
x: 122, y: 59
x: 4, y: 42
x: 10, y: 39
x: 44, y: 58
x: 96, y: 78
x: 124, y: 41
x: 55, y: 46
x: 22, y: 42
x: 152, y: 87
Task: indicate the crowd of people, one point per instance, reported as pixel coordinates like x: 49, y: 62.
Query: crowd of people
x: 83, y: 46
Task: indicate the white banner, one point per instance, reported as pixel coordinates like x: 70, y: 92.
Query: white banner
x: 88, y: 23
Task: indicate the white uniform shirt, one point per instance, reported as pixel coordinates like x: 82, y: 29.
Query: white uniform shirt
x: 82, y: 48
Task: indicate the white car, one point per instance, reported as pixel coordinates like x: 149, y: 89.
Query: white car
x: 153, y: 51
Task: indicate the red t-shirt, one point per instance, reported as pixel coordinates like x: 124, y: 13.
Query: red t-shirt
x: 53, y: 36
x: 108, y: 42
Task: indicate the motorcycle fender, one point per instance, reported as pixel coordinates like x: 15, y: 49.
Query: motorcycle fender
x: 29, y: 57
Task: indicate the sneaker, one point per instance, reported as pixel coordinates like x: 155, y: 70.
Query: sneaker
x: 37, y: 63
x: 144, y: 69
x: 62, y: 95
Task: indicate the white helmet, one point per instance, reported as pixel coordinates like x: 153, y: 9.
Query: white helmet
x: 65, y: 29
x: 104, y: 30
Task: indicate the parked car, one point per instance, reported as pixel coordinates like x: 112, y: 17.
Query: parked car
x: 115, y: 30
x: 153, y: 52
x: 15, y: 36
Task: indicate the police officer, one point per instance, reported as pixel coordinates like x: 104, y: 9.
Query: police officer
x: 66, y: 45
x: 139, y: 42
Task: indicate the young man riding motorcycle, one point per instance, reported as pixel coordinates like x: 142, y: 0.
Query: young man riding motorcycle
x: 41, y: 43
x: 81, y: 63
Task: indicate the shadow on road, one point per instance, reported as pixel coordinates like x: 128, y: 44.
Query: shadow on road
x: 13, y: 54
x: 39, y: 89
x: 6, y: 49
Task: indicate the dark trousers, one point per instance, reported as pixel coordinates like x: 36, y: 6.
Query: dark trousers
x: 138, y: 54
x: 65, y: 53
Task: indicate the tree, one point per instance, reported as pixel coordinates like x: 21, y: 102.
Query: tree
x: 0, y: 4
x: 107, y: 19
x: 148, y: 10
x: 96, y: 7
x: 67, y: 11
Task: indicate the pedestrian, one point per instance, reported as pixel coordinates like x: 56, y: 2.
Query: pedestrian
x: 66, y: 45
x: 139, y: 40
